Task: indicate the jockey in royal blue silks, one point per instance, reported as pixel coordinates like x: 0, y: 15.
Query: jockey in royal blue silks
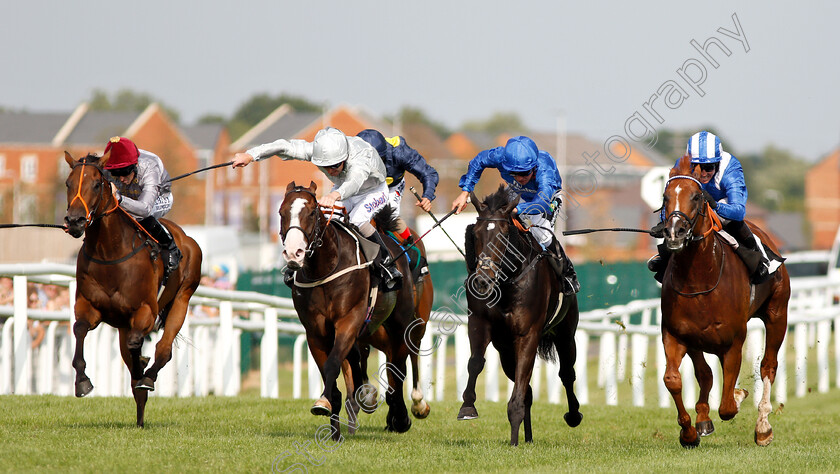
x: 722, y: 181
x: 399, y: 158
x: 532, y: 174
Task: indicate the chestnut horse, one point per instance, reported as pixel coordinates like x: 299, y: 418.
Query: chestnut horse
x: 330, y: 293
x: 707, y: 300
x: 515, y: 301
x: 119, y: 273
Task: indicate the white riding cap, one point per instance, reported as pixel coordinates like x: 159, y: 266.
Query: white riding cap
x: 329, y: 147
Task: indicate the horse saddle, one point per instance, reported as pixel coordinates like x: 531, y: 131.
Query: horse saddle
x: 774, y: 260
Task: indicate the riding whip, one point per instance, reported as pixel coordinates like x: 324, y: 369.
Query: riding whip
x: 613, y: 229
x: 8, y: 226
x: 437, y: 222
x: 199, y: 171
x: 414, y: 244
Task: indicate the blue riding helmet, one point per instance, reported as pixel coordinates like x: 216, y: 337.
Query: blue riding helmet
x: 520, y: 155
x: 703, y: 148
x: 376, y: 139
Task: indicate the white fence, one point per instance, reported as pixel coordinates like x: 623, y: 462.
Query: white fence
x: 206, y: 356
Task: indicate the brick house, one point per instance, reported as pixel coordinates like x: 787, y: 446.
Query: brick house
x: 822, y: 200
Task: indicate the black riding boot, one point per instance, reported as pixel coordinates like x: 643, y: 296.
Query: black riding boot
x: 170, y: 252
x: 387, y: 267
x: 566, y: 273
x: 659, y: 262
x: 748, y: 251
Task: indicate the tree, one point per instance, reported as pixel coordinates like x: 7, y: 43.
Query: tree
x: 500, y: 122
x: 775, y: 179
x: 416, y: 115
x: 259, y: 106
x: 127, y: 100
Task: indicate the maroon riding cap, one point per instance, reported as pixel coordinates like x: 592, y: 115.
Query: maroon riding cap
x: 123, y: 153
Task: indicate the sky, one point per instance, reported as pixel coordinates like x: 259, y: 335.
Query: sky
x: 586, y: 67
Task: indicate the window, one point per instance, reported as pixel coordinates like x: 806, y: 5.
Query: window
x: 3, y: 172
x: 28, y: 168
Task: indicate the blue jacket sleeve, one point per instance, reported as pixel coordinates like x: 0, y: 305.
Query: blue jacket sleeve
x: 548, y: 182
x: 491, y: 158
x: 733, y: 184
x: 414, y: 163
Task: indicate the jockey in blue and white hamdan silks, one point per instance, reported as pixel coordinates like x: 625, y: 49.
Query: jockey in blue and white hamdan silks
x: 357, y: 173
x: 532, y: 174
x: 722, y: 181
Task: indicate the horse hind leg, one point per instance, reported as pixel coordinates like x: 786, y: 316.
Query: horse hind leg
x: 419, y: 407
x: 775, y: 327
x: 567, y: 355
x: 131, y: 342
x: 177, y: 312
x: 703, y: 424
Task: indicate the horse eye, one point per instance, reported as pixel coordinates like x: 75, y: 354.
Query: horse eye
x: 696, y: 197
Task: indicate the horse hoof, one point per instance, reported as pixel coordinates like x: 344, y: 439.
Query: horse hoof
x: 573, y: 419
x: 321, y: 408
x: 397, y: 427
x: 421, y: 410
x: 764, y: 439
x: 690, y: 444
x: 83, y: 388
x: 704, y: 428
x: 368, y: 399
x: 467, y: 413
x: 146, y: 383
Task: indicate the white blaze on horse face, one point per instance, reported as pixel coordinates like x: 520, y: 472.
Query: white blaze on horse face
x: 294, y: 245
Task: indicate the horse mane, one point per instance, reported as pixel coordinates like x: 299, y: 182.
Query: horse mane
x: 90, y: 158
x: 498, y: 200
x: 683, y: 167
x: 386, y: 219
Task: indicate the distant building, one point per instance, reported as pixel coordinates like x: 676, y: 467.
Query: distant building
x: 822, y: 200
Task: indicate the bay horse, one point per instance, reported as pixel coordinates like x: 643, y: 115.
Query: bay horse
x: 707, y: 300
x: 423, y: 299
x: 330, y: 293
x: 516, y: 301
x: 119, y: 274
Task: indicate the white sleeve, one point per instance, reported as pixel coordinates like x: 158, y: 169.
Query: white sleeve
x: 286, y: 149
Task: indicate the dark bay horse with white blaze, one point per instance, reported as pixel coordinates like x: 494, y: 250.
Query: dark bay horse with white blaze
x: 119, y: 276
x: 516, y: 301
x: 330, y: 293
x: 707, y: 300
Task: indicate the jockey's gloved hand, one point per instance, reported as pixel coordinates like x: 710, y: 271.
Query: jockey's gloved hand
x: 712, y: 203
x: 658, y: 230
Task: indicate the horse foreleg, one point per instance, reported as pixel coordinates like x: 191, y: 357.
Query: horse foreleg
x: 479, y: 333
x: 674, y: 352
x: 130, y: 352
x: 703, y: 373
x: 731, y: 399
x: 83, y: 384
x: 526, y: 350
x: 529, y: 399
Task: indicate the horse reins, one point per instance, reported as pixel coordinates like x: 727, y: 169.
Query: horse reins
x: 90, y: 213
x: 483, y: 259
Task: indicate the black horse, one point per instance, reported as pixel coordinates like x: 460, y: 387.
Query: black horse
x: 515, y: 301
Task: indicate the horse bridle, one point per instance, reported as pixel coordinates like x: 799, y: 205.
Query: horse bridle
x: 485, y: 262
x: 91, y: 215
x: 313, y: 238
x: 683, y: 216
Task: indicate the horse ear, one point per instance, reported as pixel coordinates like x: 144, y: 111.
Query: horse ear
x: 511, y: 205
x: 69, y: 159
x: 479, y: 206
x: 312, y: 186
x: 290, y: 186
x: 105, y: 159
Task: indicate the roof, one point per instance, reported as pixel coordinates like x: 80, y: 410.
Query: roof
x: 789, y: 226
x: 287, y: 126
x: 203, y: 136
x: 426, y: 141
x: 96, y: 127
x: 31, y: 127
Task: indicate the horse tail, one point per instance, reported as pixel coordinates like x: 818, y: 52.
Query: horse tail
x: 546, y: 347
x: 386, y: 219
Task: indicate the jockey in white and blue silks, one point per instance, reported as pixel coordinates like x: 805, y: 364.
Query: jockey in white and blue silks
x: 533, y: 175
x: 357, y: 173
x: 723, y: 184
